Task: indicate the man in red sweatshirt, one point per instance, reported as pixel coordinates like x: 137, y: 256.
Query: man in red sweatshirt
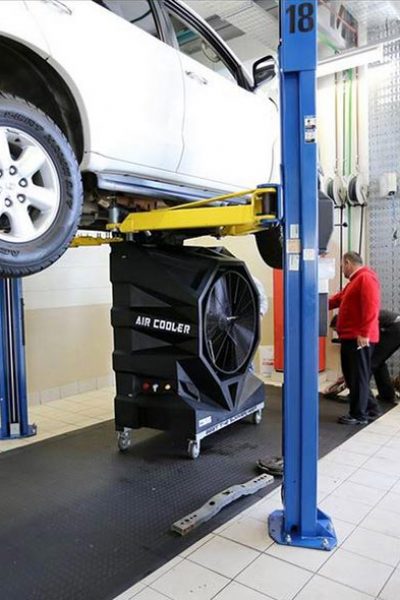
x: 358, y: 330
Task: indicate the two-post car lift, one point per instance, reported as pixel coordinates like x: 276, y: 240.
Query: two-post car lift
x: 300, y: 522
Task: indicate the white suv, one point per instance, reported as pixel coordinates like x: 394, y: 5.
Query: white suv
x: 107, y: 105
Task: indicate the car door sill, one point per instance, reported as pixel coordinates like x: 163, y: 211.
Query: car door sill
x: 154, y: 189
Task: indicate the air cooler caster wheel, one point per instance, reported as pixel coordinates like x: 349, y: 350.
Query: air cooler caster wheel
x: 124, y: 441
x: 257, y: 417
x: 193, y: 449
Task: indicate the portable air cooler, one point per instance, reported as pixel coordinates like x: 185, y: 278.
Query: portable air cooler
x: 186, y: 326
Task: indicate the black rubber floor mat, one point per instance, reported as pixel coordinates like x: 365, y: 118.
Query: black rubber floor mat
x: 80, y: 521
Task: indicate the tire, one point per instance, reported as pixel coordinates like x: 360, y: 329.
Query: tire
x: 270, y: 246
x: 41, y: 202
x: 270, y: 241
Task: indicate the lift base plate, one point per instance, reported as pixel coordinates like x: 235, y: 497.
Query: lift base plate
x: 323, y: 539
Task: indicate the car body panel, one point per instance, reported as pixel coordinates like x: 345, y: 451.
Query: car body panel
x: 132, y: 114
x: 18, y: 24
x: 226, y: 129
x: 141, y: 114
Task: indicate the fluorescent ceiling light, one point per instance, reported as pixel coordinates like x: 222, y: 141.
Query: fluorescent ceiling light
x: 350, y: 60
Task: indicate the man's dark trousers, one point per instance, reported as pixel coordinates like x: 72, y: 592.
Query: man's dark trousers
x: 356, y: 368
x: 388, y: 344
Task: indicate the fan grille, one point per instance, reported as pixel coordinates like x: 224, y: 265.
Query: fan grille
x: 230, y: 322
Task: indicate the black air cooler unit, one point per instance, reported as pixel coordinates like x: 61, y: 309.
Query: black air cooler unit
x: 186, y: 327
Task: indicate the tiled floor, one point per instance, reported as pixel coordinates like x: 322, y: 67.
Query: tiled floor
x: 62, y: 416
x: 359, y: 486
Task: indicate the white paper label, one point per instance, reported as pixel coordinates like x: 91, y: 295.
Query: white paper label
x: 294, y: 262
x: 308, y: 254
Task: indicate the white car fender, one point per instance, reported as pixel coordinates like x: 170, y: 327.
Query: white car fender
x: 17, y: 23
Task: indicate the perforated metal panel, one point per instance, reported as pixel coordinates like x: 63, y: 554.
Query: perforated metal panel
x: 384, y: 146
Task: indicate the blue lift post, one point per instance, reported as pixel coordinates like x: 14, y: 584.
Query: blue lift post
x: 300, y: 523
x: 13, y: 395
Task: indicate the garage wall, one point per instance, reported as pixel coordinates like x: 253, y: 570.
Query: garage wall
x: 334, y: 98
x: 67, y: 324
x: 67, y: 319
x: 384, y: 222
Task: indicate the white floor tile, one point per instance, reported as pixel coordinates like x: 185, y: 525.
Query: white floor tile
x: 150, y: 579
x: 95, y: 412
x: 305, y: 558
x: 354, y: 444
x: 250, y: 532
x: 373, y: 479
x: 335, y: 470
x: 394, y: 443
x: 388, y: 427
x: 149, y: 594
x: 391, y: 591
x: 390, y: 502
x: 274, y: 577
x: 383, y: 465
x: 237, y: 591
x: 132, y: 592
x: 356, y: 571
x: 196, y: 546
x: 340, y: 508
x: 261, y: 510
x: 375, y: 545
x: 346, y: 457
x: 369, y: 436
x: 320, y: 588
x: 224, y: 556
x: 396, y: 488
x: 342, y: 530
x: 361, y: 493
x: 390, y: 453
x: 44, y: 424
x: 383, y: 521
x: 66, y: 405
x: 190, y: 581
x: 327, y: 484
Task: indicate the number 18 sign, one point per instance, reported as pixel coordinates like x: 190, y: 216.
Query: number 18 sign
x: 299, y: 31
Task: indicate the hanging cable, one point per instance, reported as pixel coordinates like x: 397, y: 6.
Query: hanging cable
x: 361, y: 229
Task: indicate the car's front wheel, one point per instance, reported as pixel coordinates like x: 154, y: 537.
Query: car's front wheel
x: 40, y: 189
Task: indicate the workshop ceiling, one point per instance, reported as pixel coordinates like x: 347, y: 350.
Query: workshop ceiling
x: 372, y: 12
x: 248, y: 17
x: 258, y: 19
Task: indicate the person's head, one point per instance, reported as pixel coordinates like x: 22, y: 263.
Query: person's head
x: 351, y: 262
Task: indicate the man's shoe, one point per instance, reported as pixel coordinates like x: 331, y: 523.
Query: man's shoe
x: 349, y: 420
x: 392, y: 400
x: 374, y: 414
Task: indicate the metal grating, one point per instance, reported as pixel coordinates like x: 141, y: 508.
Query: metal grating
x: 373, y: 12
x: 245, y: 15
x: 384, y: 148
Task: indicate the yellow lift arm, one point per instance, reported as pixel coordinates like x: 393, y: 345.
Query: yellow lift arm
x: 259, y: 207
